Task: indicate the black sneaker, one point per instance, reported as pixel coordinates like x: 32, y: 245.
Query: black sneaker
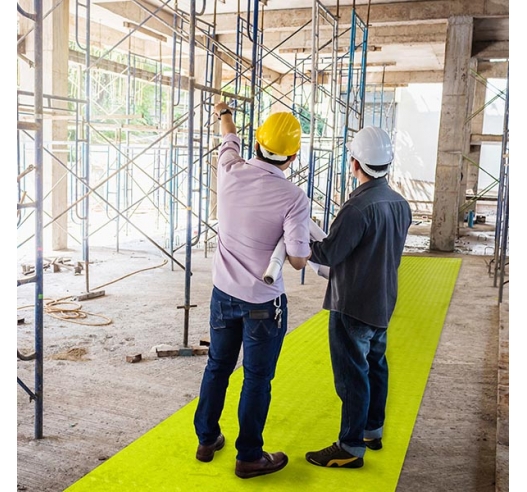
x: 374, y: 444
x: 334, y: 457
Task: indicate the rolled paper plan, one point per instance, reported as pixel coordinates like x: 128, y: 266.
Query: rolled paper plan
x: 275, y: 263
x: 278, y: 257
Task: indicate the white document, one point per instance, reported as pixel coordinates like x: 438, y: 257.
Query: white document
x: 278, y: 257
x: 317, y: 234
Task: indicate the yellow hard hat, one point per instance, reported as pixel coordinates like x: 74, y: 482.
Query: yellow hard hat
x: 280, y: 134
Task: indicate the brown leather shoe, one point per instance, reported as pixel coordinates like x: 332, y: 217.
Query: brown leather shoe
x: 268, y: 463
x: 206, y: 453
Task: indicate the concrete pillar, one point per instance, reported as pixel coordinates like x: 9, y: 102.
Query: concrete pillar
x: 55, y: 59
x: 452, y: 134
x: 55, y: 126
x: 465, y: 164
x: 480, y: 92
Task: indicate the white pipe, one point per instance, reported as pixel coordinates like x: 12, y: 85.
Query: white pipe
x: 278, y: 257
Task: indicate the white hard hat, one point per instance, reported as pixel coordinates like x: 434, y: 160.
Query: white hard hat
x: 373, y: 148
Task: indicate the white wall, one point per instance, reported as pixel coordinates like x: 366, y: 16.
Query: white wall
x: 417, y: 131
x: 490, y: 160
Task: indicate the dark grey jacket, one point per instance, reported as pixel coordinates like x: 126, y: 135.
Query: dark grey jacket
x: 363, y: 249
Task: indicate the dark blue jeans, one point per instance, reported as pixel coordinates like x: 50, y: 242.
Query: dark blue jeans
x: 235, y: 324
x: 360, y: 369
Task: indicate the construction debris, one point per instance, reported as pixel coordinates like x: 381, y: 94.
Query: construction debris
x: 89, y: 295
x: 170, y: 351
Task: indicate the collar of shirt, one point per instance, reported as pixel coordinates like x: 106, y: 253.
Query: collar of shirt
x: 266, y: 167
x: 372, y: 183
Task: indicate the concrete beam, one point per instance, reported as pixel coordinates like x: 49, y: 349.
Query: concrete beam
x: 392, y: 14
x: 493, y: 70
x: 104, y: 36
x: 491, y: 50
x: 403, y: 13
x: 138, y: 12
x: 402, y: 79
x: 377, y: 37
x: 420, y: 26
x: 480, y: 138
x: 388, y: 79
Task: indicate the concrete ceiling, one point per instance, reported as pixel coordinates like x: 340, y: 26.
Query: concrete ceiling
x: 406, y: 38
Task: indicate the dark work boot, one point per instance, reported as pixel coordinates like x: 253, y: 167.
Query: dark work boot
x: 268, y: 463
x: 206, y: 452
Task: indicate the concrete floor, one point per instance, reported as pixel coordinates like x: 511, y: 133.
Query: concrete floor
x: 96, y: 403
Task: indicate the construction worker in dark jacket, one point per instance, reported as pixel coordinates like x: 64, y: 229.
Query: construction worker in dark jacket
x: 363, y: 250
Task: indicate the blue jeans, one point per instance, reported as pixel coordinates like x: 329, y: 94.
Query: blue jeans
x: 235, y: 324
x: 360, y: 369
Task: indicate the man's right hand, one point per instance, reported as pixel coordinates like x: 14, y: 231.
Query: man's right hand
x: 226, y: 122
x: 219, y: 106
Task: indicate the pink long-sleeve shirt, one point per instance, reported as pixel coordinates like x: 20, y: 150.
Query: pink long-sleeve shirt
x: 256, y: 206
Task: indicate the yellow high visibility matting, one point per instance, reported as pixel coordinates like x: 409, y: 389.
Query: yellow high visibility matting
x: 305, y: 411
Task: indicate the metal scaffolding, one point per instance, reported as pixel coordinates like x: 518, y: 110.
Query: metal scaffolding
x: 501, y: 248
x: 32, y: 205
x: 143, y: 139
x: 468, y: 206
